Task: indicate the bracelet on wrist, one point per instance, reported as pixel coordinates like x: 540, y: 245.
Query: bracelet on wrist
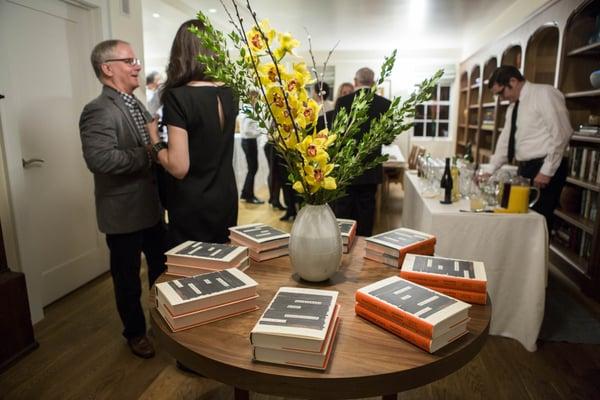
x: 156, y: 148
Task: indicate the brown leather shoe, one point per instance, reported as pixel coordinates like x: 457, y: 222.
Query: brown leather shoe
x: 141, y: 346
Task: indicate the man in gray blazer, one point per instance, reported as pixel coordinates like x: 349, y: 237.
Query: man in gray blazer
x: 116, y: 149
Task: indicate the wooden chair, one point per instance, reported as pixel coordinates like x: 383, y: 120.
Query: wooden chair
x: 415, y: 152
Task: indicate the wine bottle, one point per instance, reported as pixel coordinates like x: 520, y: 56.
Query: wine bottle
x: 455, y: 180
x: 446, y: 183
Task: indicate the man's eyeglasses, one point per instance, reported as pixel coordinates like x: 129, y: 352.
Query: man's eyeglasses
x: 501, y: 92
x: 129, y: 61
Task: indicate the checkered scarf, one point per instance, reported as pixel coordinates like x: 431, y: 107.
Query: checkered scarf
x: 138, y: 117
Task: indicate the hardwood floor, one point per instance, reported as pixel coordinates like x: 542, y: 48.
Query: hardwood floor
x: 83, y: 356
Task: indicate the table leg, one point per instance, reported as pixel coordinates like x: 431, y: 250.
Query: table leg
x: 241, y: 394
x: 390, y: 396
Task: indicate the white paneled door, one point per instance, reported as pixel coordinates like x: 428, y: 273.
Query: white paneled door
x: 46, y: 77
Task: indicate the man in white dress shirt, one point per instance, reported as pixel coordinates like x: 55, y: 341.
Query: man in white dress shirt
x: 535, y: 135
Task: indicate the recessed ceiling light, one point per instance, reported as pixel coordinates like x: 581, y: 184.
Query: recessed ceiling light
x: 212, y: 10
x: 156, y: 15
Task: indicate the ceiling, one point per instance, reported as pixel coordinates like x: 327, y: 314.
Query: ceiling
x: 358, y: 25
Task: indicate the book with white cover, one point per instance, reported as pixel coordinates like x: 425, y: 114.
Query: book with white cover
x: 296, y: 318
x: 304, y: 359
x: 416, y: 307
x: 187, y: 270
x: 206, y: 290
x: 400, y: 240
x: 259, y: 236
x: 202, y: 254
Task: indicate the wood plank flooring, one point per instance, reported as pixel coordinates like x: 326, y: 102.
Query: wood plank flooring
x: 83, y: 356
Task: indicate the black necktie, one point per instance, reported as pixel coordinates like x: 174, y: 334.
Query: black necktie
x: 513, y: 130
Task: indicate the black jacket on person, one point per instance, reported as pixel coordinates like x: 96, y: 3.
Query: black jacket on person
x: 379, y: 106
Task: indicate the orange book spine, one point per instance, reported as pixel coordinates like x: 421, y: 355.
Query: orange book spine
x: 444, y: 281
x: 398, y: 330
x: 402, y: 318
x: 464, y: 295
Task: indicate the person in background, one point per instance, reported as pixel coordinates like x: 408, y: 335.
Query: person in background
x: 345, y: 89
x: 153, y: 82
x: 152, y: 96
x: 535, y: 135
x: 200, y: 117
x: 250, y: 130
x: 321, y: 93
x: 116, y: 149
x: 359, y: 202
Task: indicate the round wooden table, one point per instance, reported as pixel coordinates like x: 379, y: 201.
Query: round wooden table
x: 366, y: 360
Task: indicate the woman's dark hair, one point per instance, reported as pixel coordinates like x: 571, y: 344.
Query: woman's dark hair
x: 183, y: 65
x: 502, y: 75
x: 325, y: 89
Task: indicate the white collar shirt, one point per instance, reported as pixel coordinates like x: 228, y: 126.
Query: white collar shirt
x: 543, y: 128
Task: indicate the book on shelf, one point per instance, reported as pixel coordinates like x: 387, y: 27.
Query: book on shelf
x: 400, y: 241
x: 413, y: 306
x: 206, y: 315
x: 296, y: 319
x: 298, y: 358
x: 426, y: 343
x: 259, y: 237
x: 348, y: 231
x: 203, y: 291
x: 206, y: 255
x: 445, y: 272
x: 186, y: 270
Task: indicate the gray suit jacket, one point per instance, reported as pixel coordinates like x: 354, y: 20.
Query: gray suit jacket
x: 125, y: 184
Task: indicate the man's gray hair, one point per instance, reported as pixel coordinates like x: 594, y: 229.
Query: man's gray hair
x: 102, y: 52
x: 365, y: 76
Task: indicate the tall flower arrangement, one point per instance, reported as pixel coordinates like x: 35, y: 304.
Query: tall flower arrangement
x: 320, y: 164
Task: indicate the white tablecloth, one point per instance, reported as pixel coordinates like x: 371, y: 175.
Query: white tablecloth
x: 514, y: 248
x: 240, y: 165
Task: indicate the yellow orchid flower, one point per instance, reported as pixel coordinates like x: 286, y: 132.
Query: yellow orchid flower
x: 297, y: 186
x: 309, y: 114
x: 268, y: 73
x: 317, y: 177
x: 312, y: 150
x: 302, y: 71
x: 256, y: 39
x: 287, y: 43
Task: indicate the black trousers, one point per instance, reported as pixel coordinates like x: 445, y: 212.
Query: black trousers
x: 250, y: 148
x: 358, y: 204
x: 275, y: 179
x: 550, y: 195
x: 125, y: 261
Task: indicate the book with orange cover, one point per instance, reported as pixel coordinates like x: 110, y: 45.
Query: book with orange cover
x: 401, y: 241
x: 206, y: 255
x: 464, y: 295
x: 416, y: 307
x: 390, y: 260
x: 298, y: 358
x: 205, y: 315
x: 195, y: 293
x: 259, y: 237
x: 188, y: 271
x: 348, y: 232
x: 426, y: 343
x: 442, y: 272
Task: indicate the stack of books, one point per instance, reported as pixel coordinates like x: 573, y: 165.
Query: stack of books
x: 298, y: 328
x: 194, y: 258
x: 263, y: 241
x: 348, y: 231
x: 188, y: 302
x: 462, y: 279
x: 391, y: 247
x: 421, y: 316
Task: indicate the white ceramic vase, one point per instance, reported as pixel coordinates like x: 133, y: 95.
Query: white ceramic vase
x: 315, y: 243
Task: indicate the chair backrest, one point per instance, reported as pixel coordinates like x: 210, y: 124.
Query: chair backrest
x: 415, y: 152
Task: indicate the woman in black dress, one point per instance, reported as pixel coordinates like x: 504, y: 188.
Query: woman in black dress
x: 200, y: 117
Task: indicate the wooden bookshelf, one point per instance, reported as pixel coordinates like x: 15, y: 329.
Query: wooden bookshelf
x: 551, y: 47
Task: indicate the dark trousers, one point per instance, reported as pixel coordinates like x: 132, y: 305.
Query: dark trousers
x: 550, y: 195
x: 250, y: 148
x: 358, y: 204
x: 125, y: 261
x: 275, y: 179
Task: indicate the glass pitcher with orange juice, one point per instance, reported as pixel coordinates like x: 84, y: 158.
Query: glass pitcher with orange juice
x: 515, y: 196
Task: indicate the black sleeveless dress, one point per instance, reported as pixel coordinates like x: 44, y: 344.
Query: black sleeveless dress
x: 203, y: 205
